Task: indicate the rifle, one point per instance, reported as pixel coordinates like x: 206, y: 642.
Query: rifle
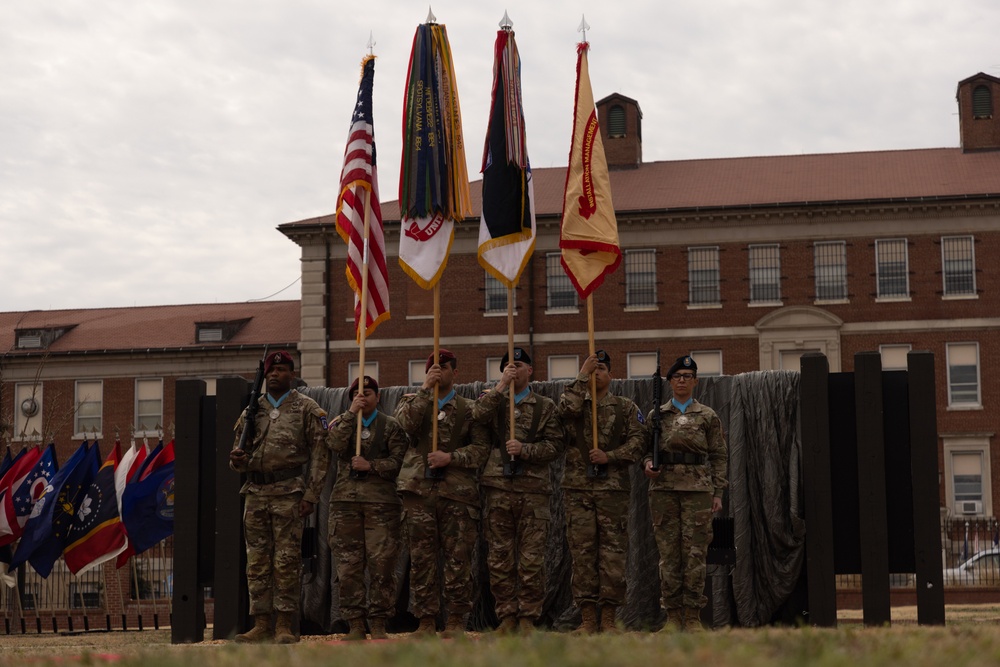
x: 657, y: 399
x: 250, y: 423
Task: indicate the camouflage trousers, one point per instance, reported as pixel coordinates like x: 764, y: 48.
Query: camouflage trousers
x: 517, y: 527
x: 273, y: 531
x: 365, y: 535
x: 440, y: 528
x: 597, y: 532
x: 682, y: 526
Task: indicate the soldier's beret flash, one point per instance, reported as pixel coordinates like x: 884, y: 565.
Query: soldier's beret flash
x: 444, y: 356
x: 683, y: 362
x: 604, y: 358
x: 519, y: 355
x: 370, y: 383
x: 278, y: 358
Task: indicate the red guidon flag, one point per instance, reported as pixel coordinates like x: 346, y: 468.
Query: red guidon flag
x: 589, y: 232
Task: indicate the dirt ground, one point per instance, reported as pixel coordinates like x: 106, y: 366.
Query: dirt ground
x: 134, y: 641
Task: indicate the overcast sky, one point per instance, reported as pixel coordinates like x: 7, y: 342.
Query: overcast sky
x: 148, y: 150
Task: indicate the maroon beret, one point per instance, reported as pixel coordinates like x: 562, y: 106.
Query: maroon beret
x: 279, y: 357
x: 444, y: 356
x: 370, y: 383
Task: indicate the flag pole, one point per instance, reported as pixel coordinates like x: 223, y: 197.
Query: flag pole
x: 593, y: 378
x: 510, y: 356
x: 437, y: 359
x: 363, y: 319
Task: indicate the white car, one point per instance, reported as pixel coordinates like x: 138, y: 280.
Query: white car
x: 982, y: 569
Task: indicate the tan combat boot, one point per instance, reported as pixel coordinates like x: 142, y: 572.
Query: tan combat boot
x: 674, y: 622
x: 608, y: 623
x: 356, y: 630
x: 377, y: 626
x: 588, y: 611
x: 525, y: 626
x: 692, y: 620
x: 454, y: 626
x: 260, y: 632
x: 428, y: 628
x: 283, y: 633
x: 508, y: 625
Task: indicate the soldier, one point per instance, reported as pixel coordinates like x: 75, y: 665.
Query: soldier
x: 440, y: 494
x: 518, y: 485
x: 684, y: 493
x: 364, y: 510
x: 290, y: 433
x: 596, y: 485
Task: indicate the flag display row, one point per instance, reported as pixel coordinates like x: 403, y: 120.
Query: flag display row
x: 434, y: 186
x: 86, y: 510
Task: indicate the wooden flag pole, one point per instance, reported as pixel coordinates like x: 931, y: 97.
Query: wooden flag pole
x: 363, y: 320
x: 437, y: 359
x: 510, y: 356
x: 593, y: 378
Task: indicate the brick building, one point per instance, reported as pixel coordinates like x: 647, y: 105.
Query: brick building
x: 744, y: 263
x: 70, y: 374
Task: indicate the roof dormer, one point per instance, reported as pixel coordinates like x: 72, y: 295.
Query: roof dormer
x: 621, y: 131
x: 218, y: 332
x: 979, y: 112
x: 39, y: 338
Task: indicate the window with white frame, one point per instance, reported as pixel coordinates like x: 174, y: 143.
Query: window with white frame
x: 894, y: 356
x: 958, y: 265
x: 89, y: 407
x: 496, y: 295
x: 559, y: 291
x: 641, y: 364
x: 892, y: 268
x: 709, y: 362
x: 703, y: 276
x: 963, y: 374
x: 765, y: 273
x: 640, y: 278
x: 830, y: 269
x: 28, y: 412
x: 371, y: 370
x: 148, y: 405
x: 563, y: 367
x: 417, y: 373
x: 968, y: 487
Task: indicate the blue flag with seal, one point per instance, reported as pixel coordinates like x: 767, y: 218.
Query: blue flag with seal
x: 148, y: 500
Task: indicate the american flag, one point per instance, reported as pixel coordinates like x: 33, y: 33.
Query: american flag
x: 358, y: 186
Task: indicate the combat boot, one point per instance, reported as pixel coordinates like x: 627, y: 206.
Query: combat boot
x: 692, y: 620
x: 454, y: 626
x: 588, y: 611
x: 525, y: 625
x: 357, y: 631
x: 260, y: 632
x: 608, y: 623
x: 674, y: 621
x: 283, y: 633
x: 508, y: 625
x: 377, y: 626
x: 427, y: 627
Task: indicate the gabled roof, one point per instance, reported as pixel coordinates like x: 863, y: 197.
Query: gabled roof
x: 975, y: 77
x: 154, y: 328
x: 684, y: 185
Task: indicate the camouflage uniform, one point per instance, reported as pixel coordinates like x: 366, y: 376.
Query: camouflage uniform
x: 274, y: 488
x: 597, y: 509
x: 680, y: 500
x: 441, y: 516
x: 364, y: 515
x: 517, y: 508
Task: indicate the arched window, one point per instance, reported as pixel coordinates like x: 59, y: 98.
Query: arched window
x: 982, y: 102
x: 616, y: 121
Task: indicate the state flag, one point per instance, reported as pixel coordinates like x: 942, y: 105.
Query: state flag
x: 97, y: 533
x: 148, y: 500
x: 25, y: 482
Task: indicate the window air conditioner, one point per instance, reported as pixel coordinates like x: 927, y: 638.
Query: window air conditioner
x: 970, y: 507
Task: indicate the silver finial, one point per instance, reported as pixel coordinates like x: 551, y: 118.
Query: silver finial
x: 430, y: 16
x: 584, y: 27
x: 505, y: 23
x: 371, y: 43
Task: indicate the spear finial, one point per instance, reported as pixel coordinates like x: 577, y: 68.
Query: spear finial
x: 505, y: 23
x: 584, y: 27
x: 371, y: 43
x: 431, y: 19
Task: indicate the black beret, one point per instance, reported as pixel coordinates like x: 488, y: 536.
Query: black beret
x: 683, y: 362
x: 519, y: 355
x: 604, y: 358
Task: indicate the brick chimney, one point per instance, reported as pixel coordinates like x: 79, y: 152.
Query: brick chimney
x: 979, y: 112
x: 621, y: 130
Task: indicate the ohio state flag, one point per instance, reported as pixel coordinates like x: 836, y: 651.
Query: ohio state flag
x: 589, y: 231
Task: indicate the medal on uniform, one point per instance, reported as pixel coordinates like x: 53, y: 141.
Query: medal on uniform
x: 274, y: 414
x: 682, y: 420
x: 517, y: 413
x: 441, y: 415
x: 365, y: 434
